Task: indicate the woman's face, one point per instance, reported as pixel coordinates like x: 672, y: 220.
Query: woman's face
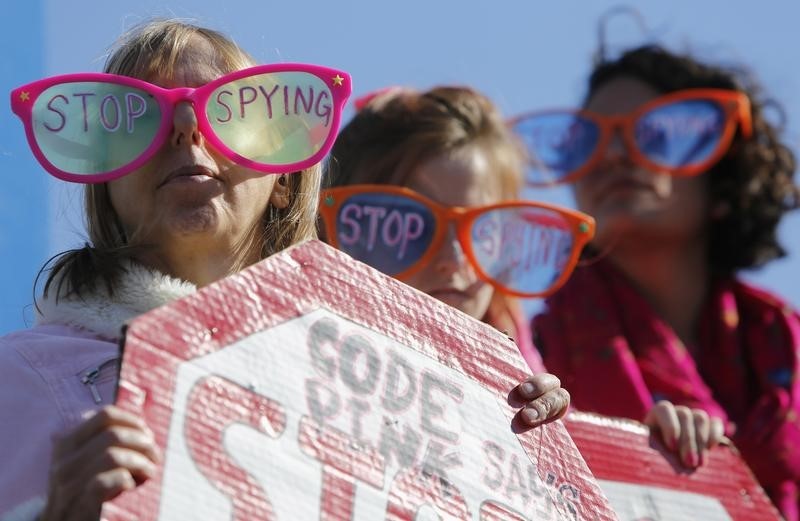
x: 188, y: 195
x: 465, y: 179
x: 629, y: 201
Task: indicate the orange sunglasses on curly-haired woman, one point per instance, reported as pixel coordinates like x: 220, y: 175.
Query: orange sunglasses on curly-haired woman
x: 682, y: 133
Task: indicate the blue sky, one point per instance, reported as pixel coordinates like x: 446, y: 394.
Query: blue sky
x: 526, y: 55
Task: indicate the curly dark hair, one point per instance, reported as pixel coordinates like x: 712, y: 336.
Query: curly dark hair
x: 754, y: 180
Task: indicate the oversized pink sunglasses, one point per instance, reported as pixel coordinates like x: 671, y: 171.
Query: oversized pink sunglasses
x: 94, y: 127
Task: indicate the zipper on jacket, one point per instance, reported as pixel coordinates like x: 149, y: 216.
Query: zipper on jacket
x: 91, y: 376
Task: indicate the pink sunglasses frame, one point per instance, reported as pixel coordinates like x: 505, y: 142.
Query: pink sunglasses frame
x: 24, y: 97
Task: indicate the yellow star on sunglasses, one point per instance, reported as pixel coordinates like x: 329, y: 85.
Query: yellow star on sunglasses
x: 337, y: 80
x: 24, y: 96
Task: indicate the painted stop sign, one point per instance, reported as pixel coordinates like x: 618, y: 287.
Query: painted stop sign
x: 310, y: 386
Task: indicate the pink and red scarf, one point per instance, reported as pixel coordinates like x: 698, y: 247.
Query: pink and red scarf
x: 616, y: 357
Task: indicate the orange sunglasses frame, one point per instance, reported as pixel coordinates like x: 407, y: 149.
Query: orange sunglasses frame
x: 735, y: 105
x: 581, y: 225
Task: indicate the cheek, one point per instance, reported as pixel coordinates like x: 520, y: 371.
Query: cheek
x: 666, y: 188
x: 249, y: 198
x: 691, y: 198
x: 479, y: 304
x: 421, y: 279
x: 691, y: 188
x: 254, y: 185
x: 484, y: 296
x: 122, y: 193
x: 132, y: 198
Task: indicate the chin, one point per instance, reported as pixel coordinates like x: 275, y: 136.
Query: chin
x: 194, y: 221
x: 451, y: 299
x: 465, y: 306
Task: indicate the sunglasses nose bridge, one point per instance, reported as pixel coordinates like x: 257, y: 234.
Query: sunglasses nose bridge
x: 454, y: 220
x: 616, y: 143
x: 616, y: 125
x: 182, y: 94
x: 450, y: 251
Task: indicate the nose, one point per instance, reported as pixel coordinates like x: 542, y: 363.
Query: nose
x: 184, y: 126
x: 616, y: 148
x: 451, y: 257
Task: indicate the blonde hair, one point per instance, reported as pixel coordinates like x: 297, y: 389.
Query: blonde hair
x: 149, y: 50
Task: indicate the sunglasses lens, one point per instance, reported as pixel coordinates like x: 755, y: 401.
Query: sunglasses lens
x: 88, y: 128
x: 389, y: 232
x: 524, y: 249
x: 273, y: 118
x: 681, y: 134
x: 557, y: 144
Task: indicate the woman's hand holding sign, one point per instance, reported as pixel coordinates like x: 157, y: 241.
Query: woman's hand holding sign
x: 110, y: 453
x: 540, y: 399
x: 688, y: 432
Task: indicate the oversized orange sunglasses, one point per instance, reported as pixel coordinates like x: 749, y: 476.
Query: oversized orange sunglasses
x: 525, y: 249
x: 683, y: 133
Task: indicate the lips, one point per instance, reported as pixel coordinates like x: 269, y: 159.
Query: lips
x: 188, y: 171
x: 455, y: 291
x: 622, y: 182
x: 447, y: 292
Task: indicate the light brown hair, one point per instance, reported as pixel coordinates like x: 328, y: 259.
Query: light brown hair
x: 398, y: 131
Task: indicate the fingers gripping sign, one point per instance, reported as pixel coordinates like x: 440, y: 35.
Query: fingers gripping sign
x: 540, y: 399
x: 688, y: 432
x: 110, y: 453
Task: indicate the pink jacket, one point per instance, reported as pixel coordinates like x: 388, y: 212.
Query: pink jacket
x: 55, y: 375
x: 52, y: 376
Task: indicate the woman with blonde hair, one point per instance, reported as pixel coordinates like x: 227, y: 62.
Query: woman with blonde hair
x: 173, y: 143
x: 176, y: 198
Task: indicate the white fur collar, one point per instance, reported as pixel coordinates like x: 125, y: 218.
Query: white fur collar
x: 138, y: 290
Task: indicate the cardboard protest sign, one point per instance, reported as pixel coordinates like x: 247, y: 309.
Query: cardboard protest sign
x: 644, y: 482
x: 311, y: 386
